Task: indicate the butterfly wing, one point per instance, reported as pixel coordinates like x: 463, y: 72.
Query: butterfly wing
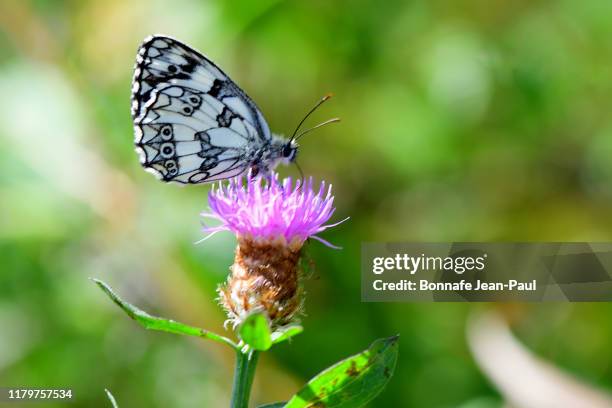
x: 192, y: 123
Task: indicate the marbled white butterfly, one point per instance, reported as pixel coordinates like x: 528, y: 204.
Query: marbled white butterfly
x: 193, y: 124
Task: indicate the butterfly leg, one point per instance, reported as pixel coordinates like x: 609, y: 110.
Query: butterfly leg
x: 256, y: 171
x: 253, y: 172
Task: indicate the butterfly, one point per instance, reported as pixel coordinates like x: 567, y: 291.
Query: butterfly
x: 193, y: 124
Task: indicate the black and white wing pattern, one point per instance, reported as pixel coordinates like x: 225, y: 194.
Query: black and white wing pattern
x: 192, y: 123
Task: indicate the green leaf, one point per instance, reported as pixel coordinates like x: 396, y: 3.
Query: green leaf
x: 285, y: 333
x: 111, y: 398
x: 352, y: 382
x: 159, y: 323
x: 274, y: 405
x: 255, y: 331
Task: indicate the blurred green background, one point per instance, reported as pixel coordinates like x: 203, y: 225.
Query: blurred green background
x: 473, y: 120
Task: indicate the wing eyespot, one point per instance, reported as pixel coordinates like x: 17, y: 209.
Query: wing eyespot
x: 167, y: 150
x: 171, y: 167
x: 166, y: 132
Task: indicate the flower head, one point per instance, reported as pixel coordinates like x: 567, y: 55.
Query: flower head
x: 271, y: 220
x: 271, y: 210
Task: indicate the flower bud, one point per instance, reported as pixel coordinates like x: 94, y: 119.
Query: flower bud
x: 265, y: 277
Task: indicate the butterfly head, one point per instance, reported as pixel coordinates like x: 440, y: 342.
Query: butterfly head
x: 289, y: 151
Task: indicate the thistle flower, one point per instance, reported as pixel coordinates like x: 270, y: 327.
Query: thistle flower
x: 271, y: 220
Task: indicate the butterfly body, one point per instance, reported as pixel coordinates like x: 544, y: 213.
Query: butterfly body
x: 263, y: 159
x: 192, y: 123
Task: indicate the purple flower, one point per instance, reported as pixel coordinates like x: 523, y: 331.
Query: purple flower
x: 271, y: 220
x: 271, y: 209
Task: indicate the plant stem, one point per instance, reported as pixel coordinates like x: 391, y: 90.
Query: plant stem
x: 243, y: 377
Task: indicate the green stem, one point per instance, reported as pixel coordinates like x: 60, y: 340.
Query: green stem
x: 243, y: 377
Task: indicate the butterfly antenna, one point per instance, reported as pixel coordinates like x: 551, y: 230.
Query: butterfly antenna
x: 300, y: 170
x: 314, y: 108
x: 327, y: 122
